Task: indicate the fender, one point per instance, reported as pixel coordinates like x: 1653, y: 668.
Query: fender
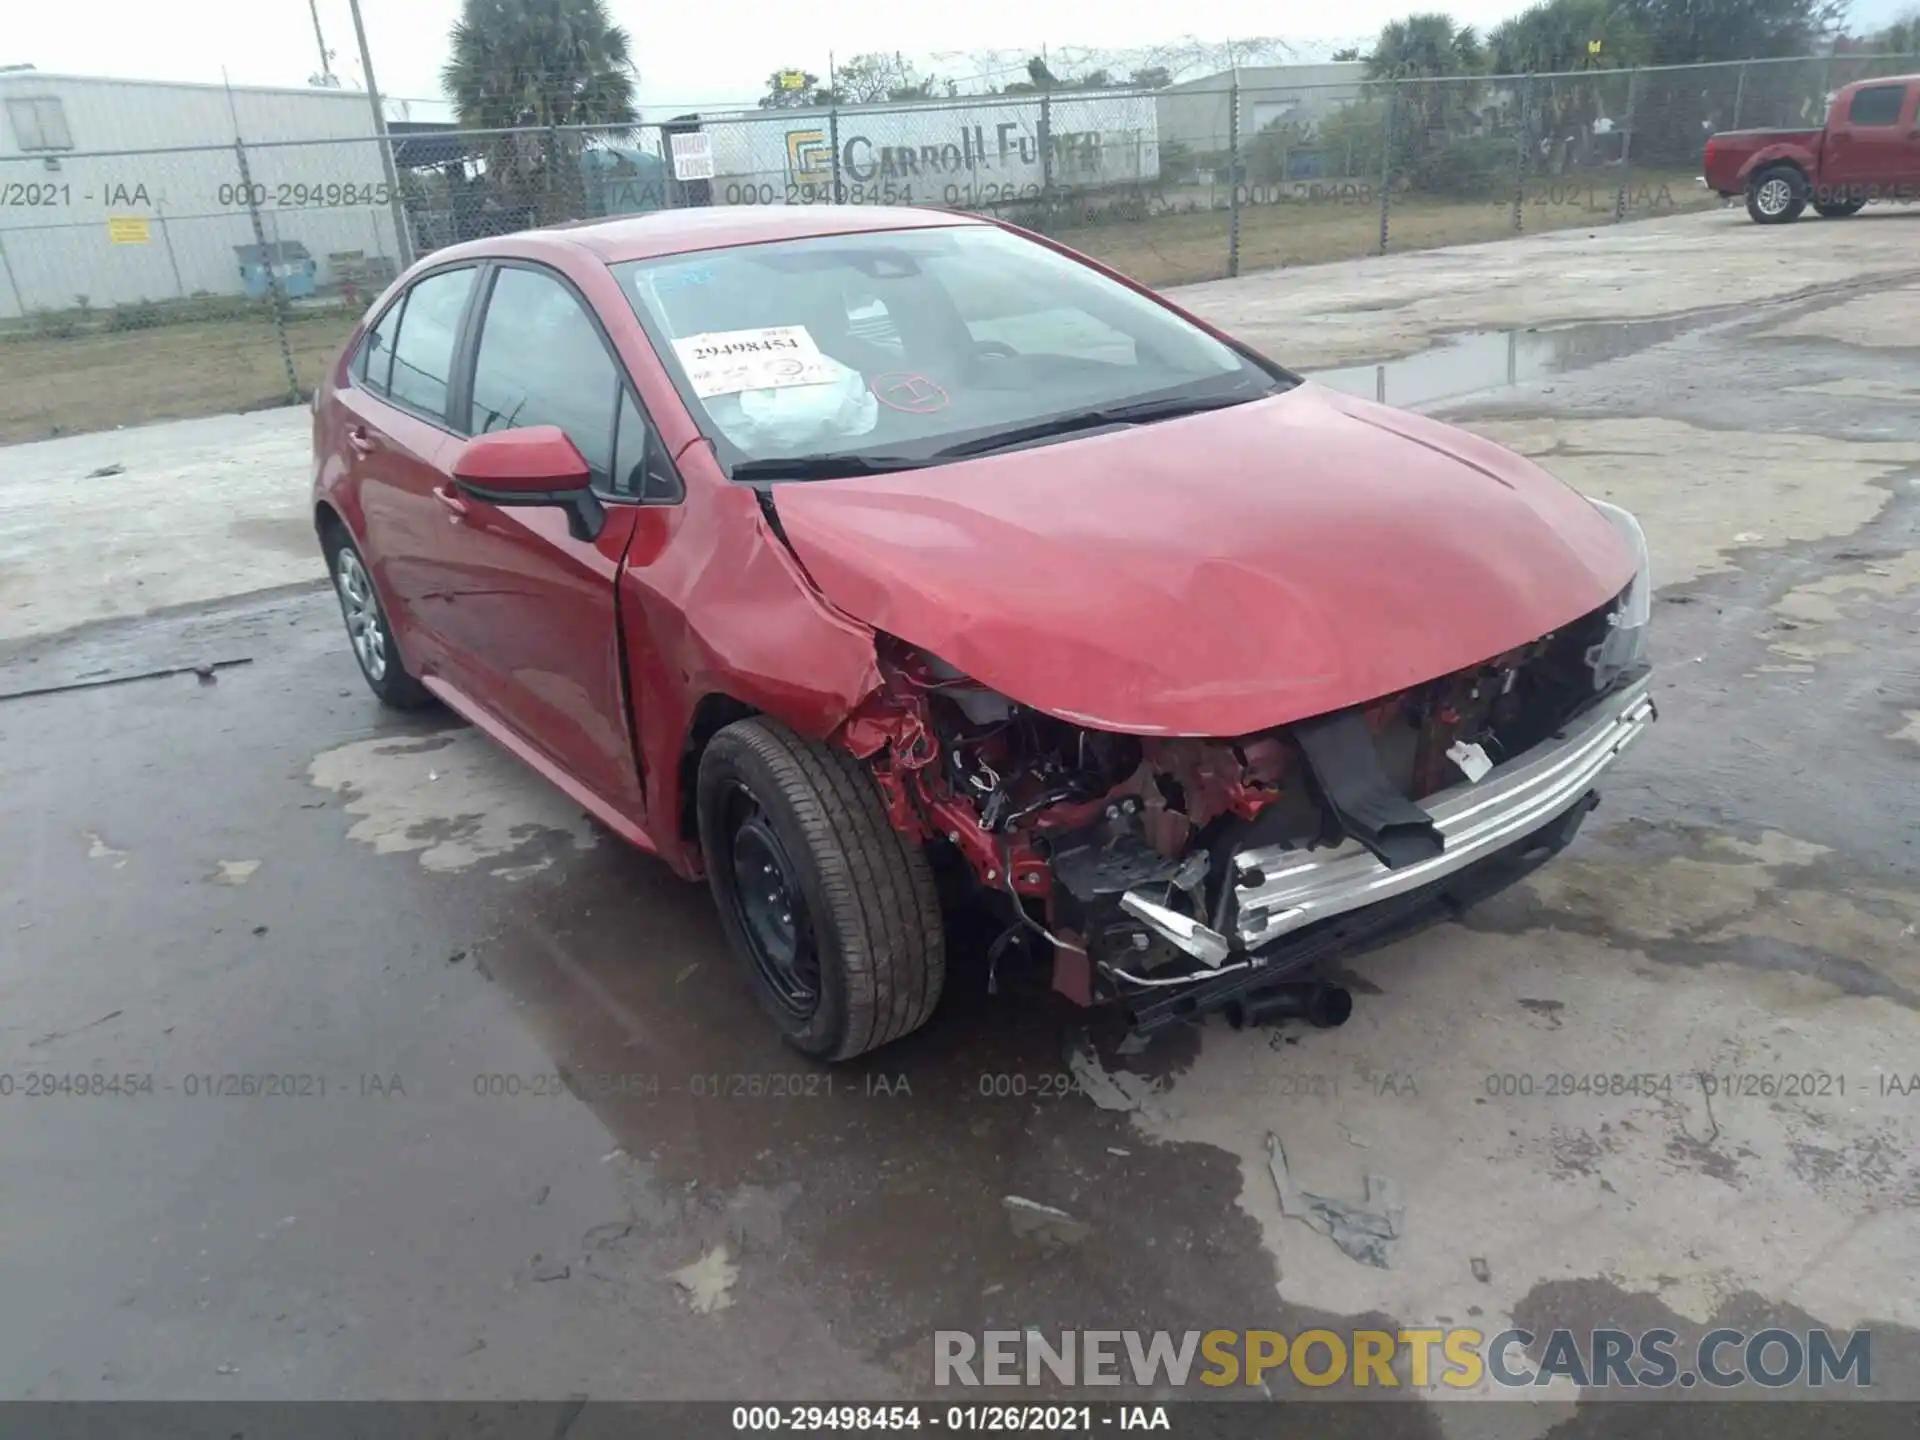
x: 1805, y: 158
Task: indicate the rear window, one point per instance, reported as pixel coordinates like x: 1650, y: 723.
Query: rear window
x: 1877, y: 105
x: 899, y: 342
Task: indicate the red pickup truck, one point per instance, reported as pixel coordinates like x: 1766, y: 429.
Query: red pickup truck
x: 1869, y: 149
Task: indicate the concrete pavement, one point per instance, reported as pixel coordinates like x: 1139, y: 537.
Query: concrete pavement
x: 574, y: 1188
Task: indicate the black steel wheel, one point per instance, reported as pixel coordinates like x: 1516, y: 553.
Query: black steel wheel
x: 771, y: 907
x: 833, y: 911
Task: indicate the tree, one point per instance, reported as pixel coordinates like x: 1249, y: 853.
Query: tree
x: 1696, y: 32
x: 529, y: 66
x: 1424, y: 47
x: 539, y: 63
x: 1150, y: 77
x: 1346, y: 56
x: 1556, y: 37
x: 1428, y: 48
x: 1900, y: 38
x: 781, y: 96
x: 875, y: 77
x: 1559, y: 35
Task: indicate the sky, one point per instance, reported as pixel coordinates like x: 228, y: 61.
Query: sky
x: 710, y: 54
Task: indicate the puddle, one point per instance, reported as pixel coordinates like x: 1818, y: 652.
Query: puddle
x: 1482, y: 360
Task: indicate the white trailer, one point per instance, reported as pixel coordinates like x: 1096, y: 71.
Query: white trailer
x: 956, y: 152
x: 115, y: 192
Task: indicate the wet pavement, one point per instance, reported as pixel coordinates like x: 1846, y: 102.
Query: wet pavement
x: 421, y: 1086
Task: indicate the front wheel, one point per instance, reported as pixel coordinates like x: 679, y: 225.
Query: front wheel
x: 833, y: 910
x: 1776, y: 195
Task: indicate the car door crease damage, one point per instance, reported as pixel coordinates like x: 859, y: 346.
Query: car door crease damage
x: 1197, y: 701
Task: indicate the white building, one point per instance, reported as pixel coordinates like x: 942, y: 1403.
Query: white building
x: 114, y: 192
x: 1198, y: 113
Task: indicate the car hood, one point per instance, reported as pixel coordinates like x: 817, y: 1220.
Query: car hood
x: 1216, y: 574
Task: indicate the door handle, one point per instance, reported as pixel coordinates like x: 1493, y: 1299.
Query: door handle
x: 456, y: 507
x: 361, y: 439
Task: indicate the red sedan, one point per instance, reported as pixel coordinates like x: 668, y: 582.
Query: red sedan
x: 871, y: 563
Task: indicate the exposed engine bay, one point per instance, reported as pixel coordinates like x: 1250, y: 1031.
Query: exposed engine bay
x: 1121, y: 850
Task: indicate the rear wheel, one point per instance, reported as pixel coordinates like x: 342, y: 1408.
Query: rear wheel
x: 833, y: 910
x: 367, y: 628
x: 1776, y: 195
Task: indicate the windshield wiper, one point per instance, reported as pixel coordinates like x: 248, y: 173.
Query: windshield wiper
x: 1142, y: 412
x: 823, y: 467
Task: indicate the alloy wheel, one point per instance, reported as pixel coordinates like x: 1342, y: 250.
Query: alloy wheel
x: 365, y: 626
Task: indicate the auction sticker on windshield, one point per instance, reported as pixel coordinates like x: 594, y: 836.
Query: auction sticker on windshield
x: 725, y: 362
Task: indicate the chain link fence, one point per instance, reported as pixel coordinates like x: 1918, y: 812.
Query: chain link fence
x: 188, y: 279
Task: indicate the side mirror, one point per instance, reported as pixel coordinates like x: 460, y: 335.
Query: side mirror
x: 535, y: 466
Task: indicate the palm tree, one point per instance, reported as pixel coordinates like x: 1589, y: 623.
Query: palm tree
x: 1428, y: 48
x: 1563, y: 39
x: 1424, y: 47
x: 529, y: 66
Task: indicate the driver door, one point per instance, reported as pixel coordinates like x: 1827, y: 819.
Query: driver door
x: 529, y: 608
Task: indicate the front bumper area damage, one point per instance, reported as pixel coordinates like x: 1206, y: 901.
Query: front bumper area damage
x: 1288, y: 903
x: 1177, y: 875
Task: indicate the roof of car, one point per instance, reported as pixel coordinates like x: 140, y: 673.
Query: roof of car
x: 673, y: 232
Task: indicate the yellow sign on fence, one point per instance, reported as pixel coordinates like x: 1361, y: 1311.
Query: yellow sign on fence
x: 128, y: 229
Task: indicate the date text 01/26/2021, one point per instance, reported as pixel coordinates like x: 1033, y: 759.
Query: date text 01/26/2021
x: 1019, y: 1419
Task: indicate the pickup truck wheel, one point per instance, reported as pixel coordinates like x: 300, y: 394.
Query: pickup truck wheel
x: 1838, y: 209
x: 367, y: 628
x: 834, y: 911
x: 1776, y: 195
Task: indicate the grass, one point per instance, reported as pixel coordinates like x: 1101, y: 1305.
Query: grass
x: 97, y: 380
x: 1178, y: 249
x: 76, y: 372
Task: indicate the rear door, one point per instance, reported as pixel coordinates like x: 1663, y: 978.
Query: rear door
x: 1875, y: 148
x: 400, y: 436
x: 531, y: 610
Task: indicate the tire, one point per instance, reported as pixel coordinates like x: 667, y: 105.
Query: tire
x: 1838, y: 209
x: 846, y: 949
x: 1776, y: 195
x: 368, y: 632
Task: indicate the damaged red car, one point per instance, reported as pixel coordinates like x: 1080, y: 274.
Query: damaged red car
x: 872, y: 563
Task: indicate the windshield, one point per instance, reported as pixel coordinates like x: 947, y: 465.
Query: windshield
x: 901, y: 345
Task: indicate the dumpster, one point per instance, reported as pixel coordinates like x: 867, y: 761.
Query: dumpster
x: 286, y: 260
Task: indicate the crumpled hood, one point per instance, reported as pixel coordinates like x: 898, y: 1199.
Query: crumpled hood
x: 1217, y: 574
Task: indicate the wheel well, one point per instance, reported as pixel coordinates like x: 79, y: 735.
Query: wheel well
x: 326, y: 520
x: 712, y: 715
x: 1760, y: 172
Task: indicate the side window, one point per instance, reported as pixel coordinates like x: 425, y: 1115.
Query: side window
x: 641, y: 469
x: 423, y: 351
x: 1877, y: 105
x: 542, y: 362
x: 374, y: 364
